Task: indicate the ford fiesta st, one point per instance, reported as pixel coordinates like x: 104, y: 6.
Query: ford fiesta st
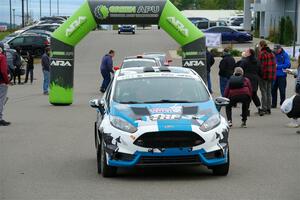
x: 160, y: 116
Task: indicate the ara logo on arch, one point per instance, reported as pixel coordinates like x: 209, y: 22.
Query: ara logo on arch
x: 75, y: 25
x: 61, y: 63
x: 194, y: 63
x: 178, y: 26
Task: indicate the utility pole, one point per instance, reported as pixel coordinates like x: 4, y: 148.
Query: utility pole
x: 23, y: 20
x: 57, y: 7
x: 14, y: 16
x: 10, y: 22
x: 295, y: 27
x: 27, y: 14
x: 40, y: 9
x: 50, y: 8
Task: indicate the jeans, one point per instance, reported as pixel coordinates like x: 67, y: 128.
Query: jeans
x: 266, y: 94
x: 106, y: 79
x: 279, y: 83
x: 223, y: 84
x: 209, y: 83
x: 245, y: 100
x: 29, y: 72
x: 17, y: 73
x: 3, y: 93
x: 46, y: 81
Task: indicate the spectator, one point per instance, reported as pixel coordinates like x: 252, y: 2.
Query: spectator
x: 252, y: 71
x: 17, y: 61
x: 226, y: 69
x: 10, y: 60
x: 283, y: 62
x: 46, y: 70
x: 268, y: 70
x: 210, y: 60
x: 3, y: 84
x: 293, y: 110
x: 106, y: 68
x: 30, y: 67
x: 238, y: 90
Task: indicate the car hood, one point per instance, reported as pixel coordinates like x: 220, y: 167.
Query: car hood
x: 173, y: 116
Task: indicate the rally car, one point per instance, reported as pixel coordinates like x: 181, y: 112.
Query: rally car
x: 155, y: 116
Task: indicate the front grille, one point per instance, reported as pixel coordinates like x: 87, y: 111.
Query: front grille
x: 169, y: 139
x: 169, y: 160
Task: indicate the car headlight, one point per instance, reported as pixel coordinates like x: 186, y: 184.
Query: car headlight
x: 210, y: 123
x: 122, y: 124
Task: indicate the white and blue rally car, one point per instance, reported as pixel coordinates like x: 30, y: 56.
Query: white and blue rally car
x: 160, y: 116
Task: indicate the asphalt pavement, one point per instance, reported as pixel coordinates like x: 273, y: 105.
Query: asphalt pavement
x: 48, y: 152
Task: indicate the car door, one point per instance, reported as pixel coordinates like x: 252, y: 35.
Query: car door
x: 227, y: 34
x: 29, y: 43
x: 17, y: 42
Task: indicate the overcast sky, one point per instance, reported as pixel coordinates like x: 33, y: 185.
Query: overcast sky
x: 66, y: 7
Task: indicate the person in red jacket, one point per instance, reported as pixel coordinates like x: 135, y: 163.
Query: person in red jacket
x: 4, y: 81
x: 238, y: 90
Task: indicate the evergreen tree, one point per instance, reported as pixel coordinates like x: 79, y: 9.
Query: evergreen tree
x: 281, y: 30
x: 288, y: 33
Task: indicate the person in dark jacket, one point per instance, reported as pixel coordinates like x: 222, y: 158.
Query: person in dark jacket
x: 238, y: 90
x: 252, y: 71
x: 4, y: 81
x: 17, y: 61
x: 46, y: 70
x: 268, y: 75
x: 106, y: 68
x: 210, y: 60
x: 282, y: 62
x: 29, y: 68
x: 226, y: 66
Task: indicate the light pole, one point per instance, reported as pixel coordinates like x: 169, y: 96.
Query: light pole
x: 23, y: 20
x: 50, y: 8
x: 27, y: 14
x: 40, y: 9
x: 10, y: 22
x: 14, y: 16
x: 57, y: 7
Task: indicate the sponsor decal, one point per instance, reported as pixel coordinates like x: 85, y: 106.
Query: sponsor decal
x: 75, y: 25
x: 101, y: 12
x: 178, y: 26
x: 61, y: 63
x: 173, y: 109
x: 157, y: 117
x: 193, y: 63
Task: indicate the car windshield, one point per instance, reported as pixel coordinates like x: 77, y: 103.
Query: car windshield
x: 160, y: 90
x: 138, y: 63
x: 161, y: 57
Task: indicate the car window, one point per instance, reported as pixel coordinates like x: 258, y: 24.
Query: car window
x: 227, y: 30
x: 29, y: 40
x: 138, y: 63
x: 184, y: 90
x: 18, y: 40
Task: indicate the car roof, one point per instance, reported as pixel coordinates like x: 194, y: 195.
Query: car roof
x: 145, y: 72
x: 139, y: 59
x: 154, y: 53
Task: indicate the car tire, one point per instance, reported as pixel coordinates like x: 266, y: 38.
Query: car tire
x: 119, y: 32
x: 96, y: 137
x: 99, y: 159
x: 240, y: 40
x: 106, y: 170
x: 133, y: 32
x: 222, y: 170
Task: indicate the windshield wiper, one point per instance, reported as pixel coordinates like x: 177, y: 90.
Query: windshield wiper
x: 169, y: 101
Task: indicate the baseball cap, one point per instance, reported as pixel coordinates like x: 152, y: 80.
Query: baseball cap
x: 277, y: 46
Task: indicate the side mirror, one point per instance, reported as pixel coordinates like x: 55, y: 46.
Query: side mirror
x: 116, y: 68
x: 221, y: 101
x: 99, y: 104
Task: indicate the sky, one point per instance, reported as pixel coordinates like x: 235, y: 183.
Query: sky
x: 66, y: 7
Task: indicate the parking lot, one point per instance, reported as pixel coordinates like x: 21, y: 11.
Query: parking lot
x: 48, y: 152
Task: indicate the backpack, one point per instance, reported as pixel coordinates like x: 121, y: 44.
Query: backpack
x: 236, y: 82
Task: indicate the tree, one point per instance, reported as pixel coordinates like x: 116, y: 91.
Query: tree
x: 281, y: 30
x: 288, y: 33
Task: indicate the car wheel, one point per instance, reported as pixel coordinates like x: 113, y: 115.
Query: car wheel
x: 119, y: 32
x: 133, y: 32
x: 240, y: 40
x: 106, y: 170
x: 95, y: 132
x: 99, y: 160
x: 222, y: 170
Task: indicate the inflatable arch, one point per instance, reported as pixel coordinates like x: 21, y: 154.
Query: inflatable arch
x: 93, y: 12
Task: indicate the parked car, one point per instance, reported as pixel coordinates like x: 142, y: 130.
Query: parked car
x: 231, y: 19
x: 143, y: 121
x: 138, y: 61
x: 237, y: 21
x: 200, y: 22
x: 164, y: 61
x: 126, y: 29
x: 229, y: 34
x: 30, y: 42
x: 217, y: 23
x: 37, y: 31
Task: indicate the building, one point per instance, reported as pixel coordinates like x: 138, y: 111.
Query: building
x: 212, y: 15
x: 269, y: 12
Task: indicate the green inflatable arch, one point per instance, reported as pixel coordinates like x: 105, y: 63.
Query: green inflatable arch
x: 93, y: 12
